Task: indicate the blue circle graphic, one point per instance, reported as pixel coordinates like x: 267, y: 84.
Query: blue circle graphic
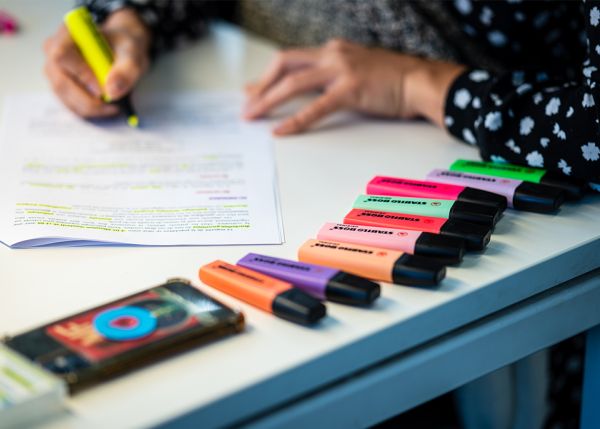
x: 125, y: 323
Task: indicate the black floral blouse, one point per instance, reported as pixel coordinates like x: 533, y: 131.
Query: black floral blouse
x: 545, y: 113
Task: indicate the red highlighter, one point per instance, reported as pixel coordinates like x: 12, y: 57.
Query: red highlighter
x: 476, y: 237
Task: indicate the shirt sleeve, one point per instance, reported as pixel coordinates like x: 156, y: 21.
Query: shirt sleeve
x: 170, y: 21
x: 531, y: 117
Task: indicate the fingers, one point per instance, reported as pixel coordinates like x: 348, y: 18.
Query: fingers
x: 74, y: 65
x: 285, y: 89
x: 332, y: 100
x: 130, y: 63
x: 71, y: 78
x: 61, y: 50
x: 284, y: 62
x: 283, y: 80
x: 250, y: 88
x: 130, y: 40
x: 75, y: 97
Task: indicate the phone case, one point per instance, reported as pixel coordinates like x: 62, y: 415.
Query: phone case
x: 111, y: 339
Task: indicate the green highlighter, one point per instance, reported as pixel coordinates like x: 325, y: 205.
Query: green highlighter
x: 574, y: 189
x: 448, y: 209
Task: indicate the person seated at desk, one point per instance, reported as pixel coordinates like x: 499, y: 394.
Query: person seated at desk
x: 517, y: 79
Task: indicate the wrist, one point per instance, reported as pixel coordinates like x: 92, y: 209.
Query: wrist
x: 427, y: 87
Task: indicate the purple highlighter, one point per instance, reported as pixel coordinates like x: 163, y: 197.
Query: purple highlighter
x: 317, y: 280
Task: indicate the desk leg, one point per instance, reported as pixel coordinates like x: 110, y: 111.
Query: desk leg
x: 590, y: 404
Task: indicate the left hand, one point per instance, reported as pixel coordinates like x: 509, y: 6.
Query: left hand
x: 369, y: 80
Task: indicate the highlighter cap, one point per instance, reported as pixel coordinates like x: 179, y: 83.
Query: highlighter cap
x: 476, y: 236
x: 448, y: 250
x: 299, y: 307
x: 476, y: 213
x: 574, y: 188
x: 349, y: 289
x: 414, y: 270
x: 479, y: 196
x: 537, y: 198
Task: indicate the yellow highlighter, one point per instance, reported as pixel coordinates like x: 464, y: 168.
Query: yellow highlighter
x: 97, y: 53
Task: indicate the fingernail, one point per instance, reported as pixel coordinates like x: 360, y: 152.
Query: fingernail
x: 283, y: 129
x: 252, y: 110
x: 116, y: 87
x: 94, y: 90
x: 120, y: 83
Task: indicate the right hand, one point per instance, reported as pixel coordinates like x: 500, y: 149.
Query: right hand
x: 72, y: 79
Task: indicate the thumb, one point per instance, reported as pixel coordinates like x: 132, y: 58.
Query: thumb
x: 128, y: 66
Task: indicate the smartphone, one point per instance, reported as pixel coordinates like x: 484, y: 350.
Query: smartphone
x: 117, y: 337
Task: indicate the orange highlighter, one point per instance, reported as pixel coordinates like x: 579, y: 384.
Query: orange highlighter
x: 264, y: 292
x: 374, y: 263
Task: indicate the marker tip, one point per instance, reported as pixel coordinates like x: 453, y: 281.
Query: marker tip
x: 133, y: 121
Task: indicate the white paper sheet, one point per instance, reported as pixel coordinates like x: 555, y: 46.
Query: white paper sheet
x: 192, y: 174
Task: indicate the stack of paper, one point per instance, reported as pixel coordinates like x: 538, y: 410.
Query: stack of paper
x: 192, y: 174
x: 28, y: 393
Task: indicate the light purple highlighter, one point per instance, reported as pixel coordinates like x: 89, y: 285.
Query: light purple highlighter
x: 316, y: 280
x: 519, y: 195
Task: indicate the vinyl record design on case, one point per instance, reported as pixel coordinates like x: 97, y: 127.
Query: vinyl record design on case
x: 139, y: 319
x: 125, y: 323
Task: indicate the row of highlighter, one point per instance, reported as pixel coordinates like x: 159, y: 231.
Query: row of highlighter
x: 402, y: 231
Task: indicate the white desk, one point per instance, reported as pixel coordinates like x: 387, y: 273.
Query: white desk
x: 536, y: 284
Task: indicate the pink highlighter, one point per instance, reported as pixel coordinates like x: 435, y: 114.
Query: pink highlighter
x: 448, y: 250
x: 396, y: 186
x: 7, y: 23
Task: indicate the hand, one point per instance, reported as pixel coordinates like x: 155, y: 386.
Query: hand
x: 74, y: 82
x: 369, y: 80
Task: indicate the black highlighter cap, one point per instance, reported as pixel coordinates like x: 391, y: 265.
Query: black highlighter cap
x: 574, y: 188
x: 476, y: 236
x: 446, y: 249
x: 414, y: 270
x: 297, y: 306
x: 479, y: 196
x: 349, y: 289
x: 476, y: 213
x: 534, y: 197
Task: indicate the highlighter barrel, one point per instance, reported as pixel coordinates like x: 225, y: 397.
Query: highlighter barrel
x: 475, y: 236
x: 402, y: 187
x: 267, y: 293
x: 449, y: 250
x: 97, y: 54
x: 374, y: 263
x: 574, y: 189
x: 317, y: 280
x: 442, y: 208
x: 519, y: 194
